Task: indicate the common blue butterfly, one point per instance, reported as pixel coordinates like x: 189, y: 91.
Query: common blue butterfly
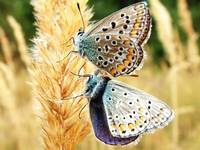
x: 115, y: 43
x: 121, y: 114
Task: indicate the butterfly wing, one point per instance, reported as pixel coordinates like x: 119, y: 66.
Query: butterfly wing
x: 117, y: 56
x: 133, y: 21
x: 100, y: 125
x: 119, y: 39
x: 132, y: 112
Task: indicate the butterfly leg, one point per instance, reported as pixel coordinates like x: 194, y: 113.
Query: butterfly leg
x: 78, y: 74
x: 75, y: 52
x: 99, y: 71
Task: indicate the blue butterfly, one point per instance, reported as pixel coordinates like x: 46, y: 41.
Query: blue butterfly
x: 115, y: 44
x: 121, y: 114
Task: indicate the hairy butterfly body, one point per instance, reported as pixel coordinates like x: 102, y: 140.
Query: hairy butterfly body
x: 120, y: 114
x: 115, y: 43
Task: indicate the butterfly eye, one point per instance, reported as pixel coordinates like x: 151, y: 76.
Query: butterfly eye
x: 80, y: 33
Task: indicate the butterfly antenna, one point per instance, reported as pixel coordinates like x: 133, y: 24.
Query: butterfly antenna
x: 82, y: 110
x: 79, y: 9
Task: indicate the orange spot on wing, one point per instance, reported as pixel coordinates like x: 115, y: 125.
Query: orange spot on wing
x: 113, y: 71
x: 126, y: 42
x: 137, y: 25
x: 137, y: 123
x: 122, y: 127
x: 129, y: 57
x: 133, y: 33
x: 120, y: 67
x: 131, y: 126
x: 126, y: 62
x: 131, y: 51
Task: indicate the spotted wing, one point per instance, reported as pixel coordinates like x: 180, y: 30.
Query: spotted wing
x: 133, y: 22
x: 133, y: 112
x: 119, y: 39
x: 118, y: 55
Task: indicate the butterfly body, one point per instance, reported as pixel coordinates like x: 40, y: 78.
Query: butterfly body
x: 120, y: 114
x: 86, y: 48
x: 115, y: 43
x: 97, y: 112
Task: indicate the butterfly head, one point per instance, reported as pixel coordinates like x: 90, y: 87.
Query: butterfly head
x: 80, y: 32
x: 78, y: 39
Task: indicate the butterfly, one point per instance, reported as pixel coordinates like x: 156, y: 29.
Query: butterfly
x: 121, y: 114
x: 115, y: 43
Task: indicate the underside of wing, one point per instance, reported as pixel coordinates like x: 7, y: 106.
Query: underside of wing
x: 119, y: 39
x: 127, y: 115
x: 133, y: 112
x: 133, y: 22
x: 100, y: 126
x: 117, y: 55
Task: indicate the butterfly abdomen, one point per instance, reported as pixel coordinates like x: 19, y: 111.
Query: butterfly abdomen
x: 98, y: 115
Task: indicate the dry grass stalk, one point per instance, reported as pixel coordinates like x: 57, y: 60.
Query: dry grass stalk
x: 186, y: 22
x: 58, y: 21
x: 8, y: 102
x: 21, y: 43
x: 166, y: 35
x: 165, y: 29
x: 6, y: 48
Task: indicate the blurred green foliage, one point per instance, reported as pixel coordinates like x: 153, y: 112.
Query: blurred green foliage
x: 23, y: 12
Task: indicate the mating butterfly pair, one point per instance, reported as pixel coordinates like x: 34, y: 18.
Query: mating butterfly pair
x: 120, y: 114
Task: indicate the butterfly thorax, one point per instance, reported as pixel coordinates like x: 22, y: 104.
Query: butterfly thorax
x: 95, y: 86
x: 86, y: 46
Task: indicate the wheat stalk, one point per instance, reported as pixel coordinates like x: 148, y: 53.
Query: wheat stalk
x: 186, y: 23
x: 166, y: 35
x: 57, y: 22
x: 6, y: 49
x: 21, y: 43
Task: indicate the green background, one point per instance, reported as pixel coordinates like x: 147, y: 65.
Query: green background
x: 23, y: 12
